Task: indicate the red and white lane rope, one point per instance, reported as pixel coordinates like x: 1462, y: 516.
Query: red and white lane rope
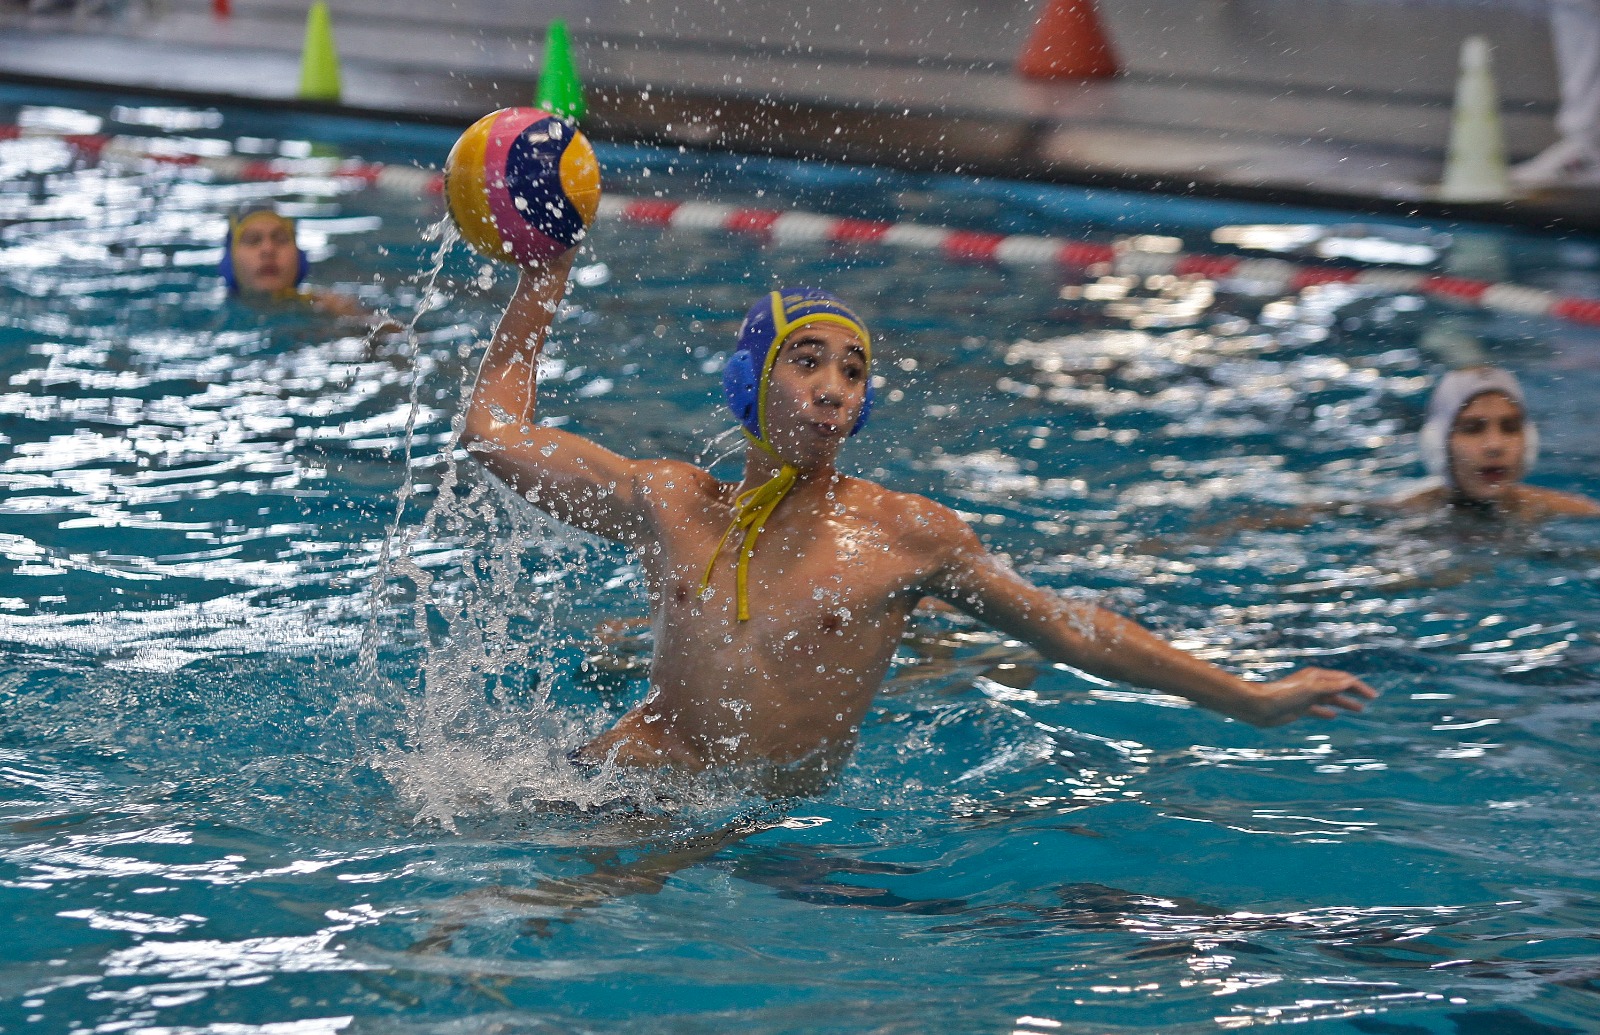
x: 1261, y: 275
x: 1266, y: 276
x: 98, y: 147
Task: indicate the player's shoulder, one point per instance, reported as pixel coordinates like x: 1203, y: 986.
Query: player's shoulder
x: 914, y: 518
x: 673, y: 479
x: 1432, y: 498
x: 1555, y: 502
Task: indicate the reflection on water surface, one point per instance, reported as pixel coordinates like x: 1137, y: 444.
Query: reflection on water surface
x: 287, y: 690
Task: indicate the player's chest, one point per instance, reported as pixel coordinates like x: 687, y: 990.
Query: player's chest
x: 831, y: 566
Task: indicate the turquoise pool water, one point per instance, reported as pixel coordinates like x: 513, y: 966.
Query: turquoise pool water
x: 284, y: 690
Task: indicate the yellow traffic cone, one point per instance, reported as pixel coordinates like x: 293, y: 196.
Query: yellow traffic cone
x: 319, y: 61
x: 1475, y: 168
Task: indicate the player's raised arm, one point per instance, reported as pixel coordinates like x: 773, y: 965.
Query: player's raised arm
x: 568, y: 476
x: 1112, y: 647
x: 523, y: 187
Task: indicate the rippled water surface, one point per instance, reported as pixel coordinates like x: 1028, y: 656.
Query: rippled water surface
x: 286, y: 689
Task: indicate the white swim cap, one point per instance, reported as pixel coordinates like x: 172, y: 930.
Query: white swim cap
x: 1451, y: 395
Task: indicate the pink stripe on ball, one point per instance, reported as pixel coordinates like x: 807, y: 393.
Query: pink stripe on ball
x: 528, y: 245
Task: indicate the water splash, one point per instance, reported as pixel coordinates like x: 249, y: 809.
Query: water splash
x: 444, y: 231
x: 470, y: 728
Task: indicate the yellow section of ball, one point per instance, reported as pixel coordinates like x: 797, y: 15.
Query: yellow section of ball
x: 466, y: 193
x: 580, y: 178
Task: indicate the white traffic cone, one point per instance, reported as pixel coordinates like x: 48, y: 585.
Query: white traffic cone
x: 1475, y: 169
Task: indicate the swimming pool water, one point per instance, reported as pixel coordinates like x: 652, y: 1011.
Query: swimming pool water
x: 280, y: 744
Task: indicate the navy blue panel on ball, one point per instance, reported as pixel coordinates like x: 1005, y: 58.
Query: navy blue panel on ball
x: 533, y: 173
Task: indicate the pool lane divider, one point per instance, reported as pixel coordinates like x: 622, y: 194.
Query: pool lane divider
x: 1259, y: 276
x: 99, y: 147
x: 1253, y: 275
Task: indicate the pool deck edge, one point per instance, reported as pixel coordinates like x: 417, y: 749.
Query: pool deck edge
x: 951, y: 130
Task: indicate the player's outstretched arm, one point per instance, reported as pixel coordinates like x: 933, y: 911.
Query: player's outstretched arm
x: 1112, y: 647
x: 566, y: 475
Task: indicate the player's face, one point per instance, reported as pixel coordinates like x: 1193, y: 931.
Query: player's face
x: 1486, y: 447
x: 817, y: 388
x: 264, y: 255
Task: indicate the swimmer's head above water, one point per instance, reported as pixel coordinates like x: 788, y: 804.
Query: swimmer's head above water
x: 260, y: 255
x: 768, y: 325
x: 1478, y: 438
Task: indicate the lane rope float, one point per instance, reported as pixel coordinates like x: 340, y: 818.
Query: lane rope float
x: 1258, y: 275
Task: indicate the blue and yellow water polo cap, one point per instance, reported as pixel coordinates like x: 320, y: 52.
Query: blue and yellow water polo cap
x: 769, y: 323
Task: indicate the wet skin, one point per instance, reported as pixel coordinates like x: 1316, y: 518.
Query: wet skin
x: 833, y: 580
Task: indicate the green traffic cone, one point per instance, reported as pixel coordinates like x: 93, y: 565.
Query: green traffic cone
x: 559, y: 90
x: 319, y: 61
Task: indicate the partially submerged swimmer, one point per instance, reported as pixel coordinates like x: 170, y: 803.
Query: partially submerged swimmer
x: 262, y: 261
x: 778, y: 601
x: 1479, y: 442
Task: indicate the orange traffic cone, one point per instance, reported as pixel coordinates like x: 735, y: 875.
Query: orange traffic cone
x: 1068, y: 44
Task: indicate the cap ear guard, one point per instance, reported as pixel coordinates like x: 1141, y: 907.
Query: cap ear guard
x: 866, y: 406
x: 225, y: 267
x: 740, y: 386
x: 1433, y: 443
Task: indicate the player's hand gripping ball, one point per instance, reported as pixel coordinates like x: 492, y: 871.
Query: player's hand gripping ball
x: 523, y: 185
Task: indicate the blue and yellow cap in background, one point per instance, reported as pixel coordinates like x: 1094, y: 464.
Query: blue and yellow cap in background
x: 236, y: 224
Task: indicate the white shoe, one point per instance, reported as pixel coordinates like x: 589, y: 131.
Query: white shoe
x: 1566, y: 163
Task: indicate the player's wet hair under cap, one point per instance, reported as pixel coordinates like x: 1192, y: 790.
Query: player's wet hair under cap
x: 237, y: 220
x: 1450, y: 396
x: 744, y: 382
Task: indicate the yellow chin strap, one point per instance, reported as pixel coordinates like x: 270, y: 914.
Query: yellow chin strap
x: 754, y: 506
x: 751, y: 510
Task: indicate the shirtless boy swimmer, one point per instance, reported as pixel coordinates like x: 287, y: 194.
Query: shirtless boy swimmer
x: 778, y: 602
